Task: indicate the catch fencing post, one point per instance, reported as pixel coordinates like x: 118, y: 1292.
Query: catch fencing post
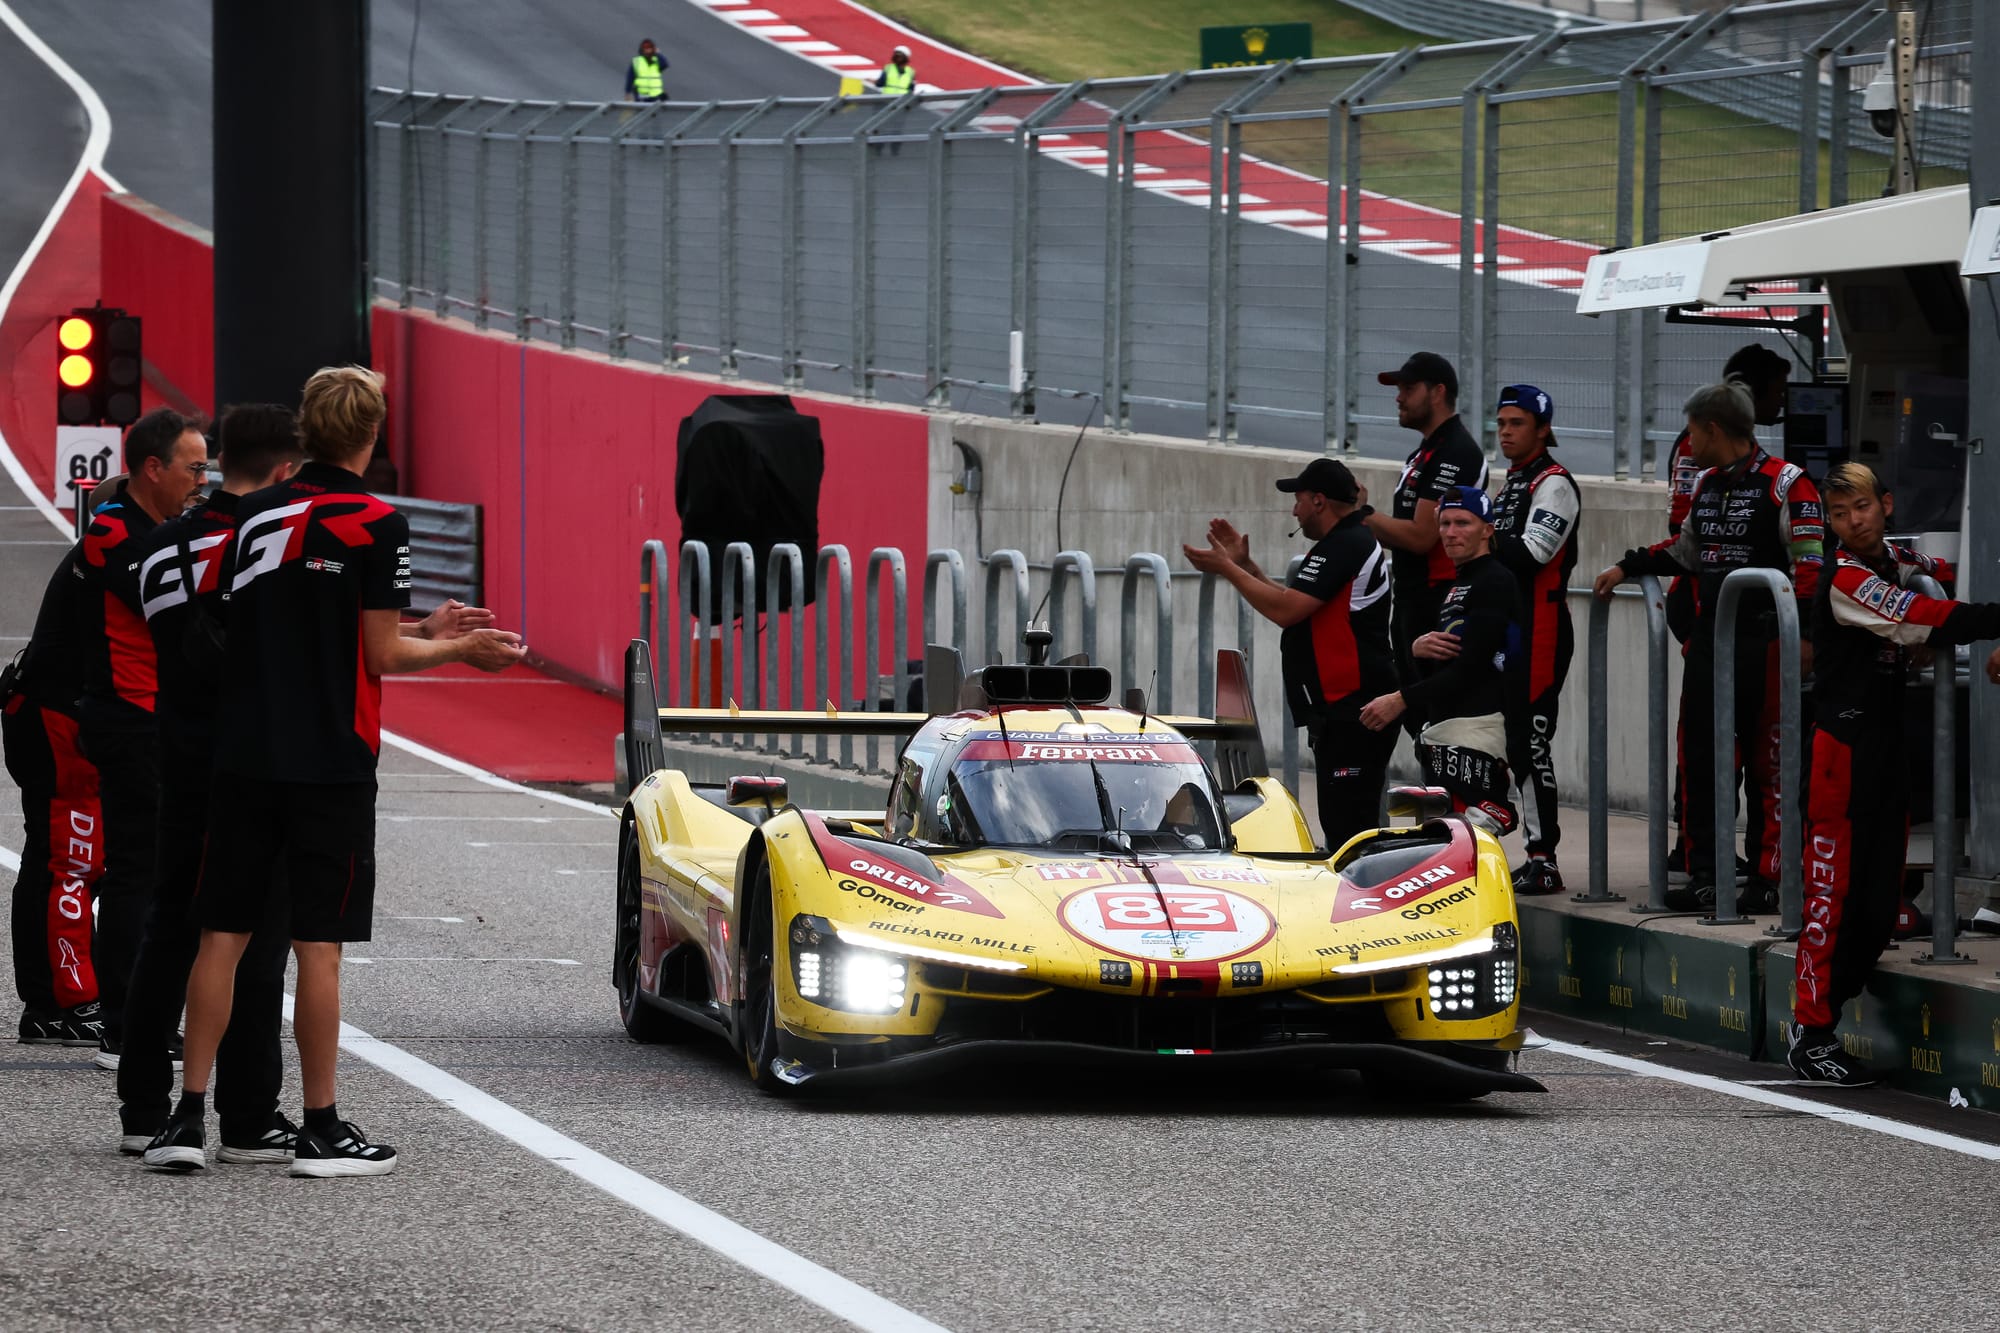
x: 620, y: 307
x: 862, y: 328
x: 566, y: 237
x: 725, y: 247
x: 1723, y: 826
x: 1121, y: 148
x: 792, y: 231
x: 1347, y: 125
x: 1160, y: 699
x: 1225, y: 195
x: 670, y: 230
x: 937, y: 308
x: 1005, y: 560
x: 1077, y: 563
x: 481, y: 168
x: 1944, y: 796
x: 834, y: 558
x: 891, y: 559
x: 441, y: 237
x: 524, y: 246
x: 407, y: 187
x: 1022, y: 255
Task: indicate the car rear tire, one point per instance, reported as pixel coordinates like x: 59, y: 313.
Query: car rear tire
x: 642, y: 1021
x: 760, y: 991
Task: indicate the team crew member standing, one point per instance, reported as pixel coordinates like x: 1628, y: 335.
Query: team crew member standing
x: 62, y: 851
x: 1534, y: 536
x: 1448, y: 456
x: 1749, y: 511
x: 1866, y: 623
x: 1462, y: 697
x: 259, y: 448
x: 166, y: 459
x: 318, y: 576
x: 1335, y: 647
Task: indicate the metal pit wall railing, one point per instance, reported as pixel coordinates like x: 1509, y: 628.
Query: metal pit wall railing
x: 1169, y: 248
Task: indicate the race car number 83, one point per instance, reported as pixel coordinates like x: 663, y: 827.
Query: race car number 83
x: 1183, y: 911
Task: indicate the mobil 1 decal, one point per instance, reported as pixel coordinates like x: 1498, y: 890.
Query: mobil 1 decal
x: 1169, y: 924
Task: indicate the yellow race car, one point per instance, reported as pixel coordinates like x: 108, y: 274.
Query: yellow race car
x: 1054, y: 879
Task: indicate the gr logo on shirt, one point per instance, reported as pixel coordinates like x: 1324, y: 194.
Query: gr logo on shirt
x: 160, y: 584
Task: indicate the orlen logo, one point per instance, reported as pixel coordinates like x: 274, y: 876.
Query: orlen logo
x: 1354, y: 902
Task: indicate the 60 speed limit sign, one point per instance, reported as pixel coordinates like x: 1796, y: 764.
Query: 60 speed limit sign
x: 87, y: 454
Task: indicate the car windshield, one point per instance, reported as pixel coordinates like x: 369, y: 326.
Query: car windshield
x: 1163, y: 805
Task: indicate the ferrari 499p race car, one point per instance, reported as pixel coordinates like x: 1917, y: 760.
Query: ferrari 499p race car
x: 1054, y: 879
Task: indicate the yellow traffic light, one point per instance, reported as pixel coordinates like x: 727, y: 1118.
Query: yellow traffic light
x: 75, y: 371
x: 75, y: 334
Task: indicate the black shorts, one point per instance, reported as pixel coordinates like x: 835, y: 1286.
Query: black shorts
x: 315, y: 841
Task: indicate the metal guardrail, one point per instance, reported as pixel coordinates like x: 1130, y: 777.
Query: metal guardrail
x: 994, y: 249
x: 1944, y: 797
x: 1791, y: 883
x: 1648, y: 591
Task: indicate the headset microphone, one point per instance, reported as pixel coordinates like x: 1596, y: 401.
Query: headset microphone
x: 1293, y: 533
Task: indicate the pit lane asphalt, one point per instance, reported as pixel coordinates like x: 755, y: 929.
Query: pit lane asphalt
x: 987, y: 1204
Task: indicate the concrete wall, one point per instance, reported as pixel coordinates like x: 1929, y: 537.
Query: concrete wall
x: 1137, y: 493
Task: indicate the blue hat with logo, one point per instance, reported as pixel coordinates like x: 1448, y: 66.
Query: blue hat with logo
x: 1469, y: 498
x: 1530, y: 400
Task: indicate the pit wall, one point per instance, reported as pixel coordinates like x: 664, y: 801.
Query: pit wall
x: 1139, y: 493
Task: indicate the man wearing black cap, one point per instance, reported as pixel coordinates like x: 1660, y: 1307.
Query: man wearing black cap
x: 1335, y: 648
x: 1461, y: 698
x: 1426, y: 402
x: 1534, y: 536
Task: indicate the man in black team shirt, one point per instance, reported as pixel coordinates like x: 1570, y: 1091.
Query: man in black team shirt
x: 1335, y: 648
x: 318, y: 576
x: 166, y: 459
x: 1448, y: 456
x: 259, y: 448
x: 1462, y: 698
x: 1534, y: 535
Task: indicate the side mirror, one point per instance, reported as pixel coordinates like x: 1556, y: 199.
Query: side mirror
x: 765, y: 789
x: 1419, y: 803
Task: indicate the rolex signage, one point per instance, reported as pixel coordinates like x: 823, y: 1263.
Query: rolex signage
x: 1255, y: 44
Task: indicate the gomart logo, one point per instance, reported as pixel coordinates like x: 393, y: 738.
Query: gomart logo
x: 1355, y: 901
x: 1168, y: 925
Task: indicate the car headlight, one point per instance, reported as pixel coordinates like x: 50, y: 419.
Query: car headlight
x: 1477, y: 987
x: 837, y: 975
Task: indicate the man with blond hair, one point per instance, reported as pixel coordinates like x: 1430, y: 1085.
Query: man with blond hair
x: 318, y: 577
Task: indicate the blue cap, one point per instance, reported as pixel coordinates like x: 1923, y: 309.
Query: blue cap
x: 1530, y: 400
x: 1471, y: 499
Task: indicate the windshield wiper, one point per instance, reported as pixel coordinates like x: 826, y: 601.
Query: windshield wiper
x: 967, y: 821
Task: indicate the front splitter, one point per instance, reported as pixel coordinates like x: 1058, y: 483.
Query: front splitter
x: 1381, y: 1062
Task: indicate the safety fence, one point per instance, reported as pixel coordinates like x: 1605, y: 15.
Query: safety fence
x: 1947, y: 675
x: 1168, y: 253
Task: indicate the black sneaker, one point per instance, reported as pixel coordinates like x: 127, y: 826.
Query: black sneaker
x: 1817, y: 1055
x: 1756, y: 896
x: 1697, y: 895
x: 132, y: 1143
x: 274, y: 1145
x: 109, y: 1052
x: 81, y: 1026
x: 181, y: 1146
x: 1538, y: 876
x: 342, y: 1152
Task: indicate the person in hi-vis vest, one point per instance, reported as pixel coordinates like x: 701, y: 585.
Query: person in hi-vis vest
x: 897, y: 77
x: 646, y: 76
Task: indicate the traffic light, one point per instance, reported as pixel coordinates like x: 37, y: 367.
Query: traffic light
x: 97, y: 367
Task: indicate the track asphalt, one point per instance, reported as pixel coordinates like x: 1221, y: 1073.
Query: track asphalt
x: 556, y: 1175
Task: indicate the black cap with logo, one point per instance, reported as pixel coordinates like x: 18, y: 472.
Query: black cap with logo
x: 1324, y: 476
x: 1423, y: 368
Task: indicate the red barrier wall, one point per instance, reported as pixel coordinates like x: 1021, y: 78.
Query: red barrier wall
x: 572, y: 456
x: 163, y: 270
x: 63, y: 276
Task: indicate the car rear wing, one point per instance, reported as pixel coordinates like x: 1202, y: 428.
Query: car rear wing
x: 1239, y: 742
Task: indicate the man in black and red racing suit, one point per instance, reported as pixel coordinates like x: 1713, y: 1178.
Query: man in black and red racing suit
x: 1534, y: 536
x: 1765, y: 373
x: 1749, y: 511
x: 1867, y: 624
